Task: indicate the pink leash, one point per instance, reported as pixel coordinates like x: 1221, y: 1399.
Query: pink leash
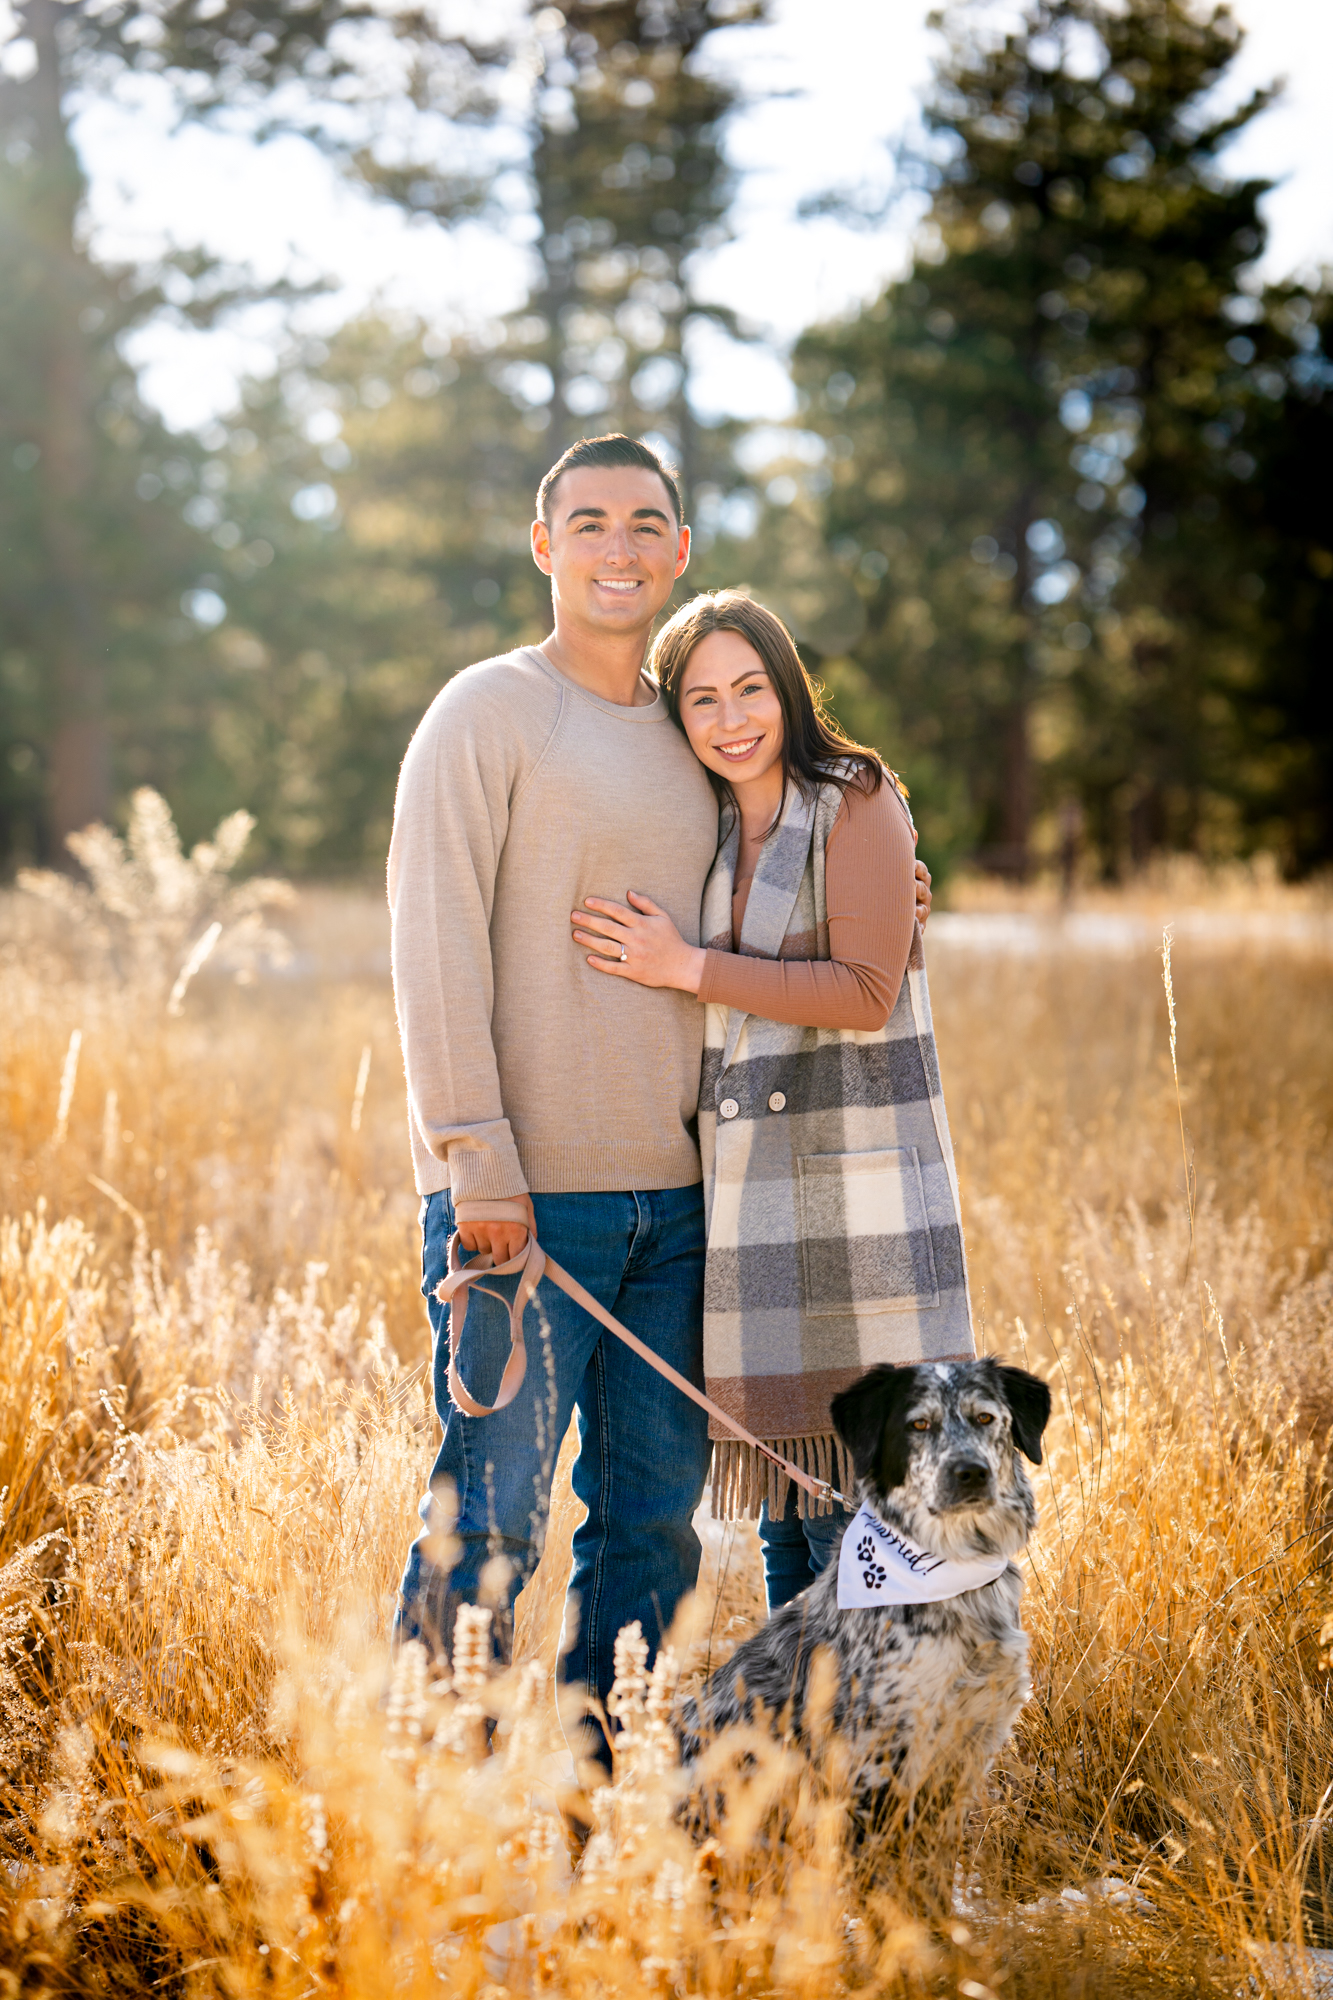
x: 534, y: 1264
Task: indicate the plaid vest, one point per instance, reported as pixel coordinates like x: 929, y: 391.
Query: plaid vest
x: 835, y: 1236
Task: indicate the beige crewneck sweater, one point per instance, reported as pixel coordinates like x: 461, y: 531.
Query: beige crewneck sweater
x: 520, y: 794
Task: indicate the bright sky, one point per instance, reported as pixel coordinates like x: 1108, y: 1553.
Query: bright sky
x: 851, y: 71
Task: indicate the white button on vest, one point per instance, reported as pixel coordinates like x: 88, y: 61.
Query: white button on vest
x: 728, y: 1107
x: 777, y: 1102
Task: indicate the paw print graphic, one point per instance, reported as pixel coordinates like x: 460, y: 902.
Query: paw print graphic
x: 872, y: 1573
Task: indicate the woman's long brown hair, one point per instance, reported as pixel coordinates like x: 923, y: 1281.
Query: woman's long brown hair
x: 813, y: 745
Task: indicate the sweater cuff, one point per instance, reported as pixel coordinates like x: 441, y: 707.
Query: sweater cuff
x: 485, y: 1173
x: 474, y: 1209
x: 713, y: 966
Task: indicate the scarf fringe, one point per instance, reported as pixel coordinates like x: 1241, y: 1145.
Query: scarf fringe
x: 744, y: 1481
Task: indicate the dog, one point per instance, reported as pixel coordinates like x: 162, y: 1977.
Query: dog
x: 922, y: 1696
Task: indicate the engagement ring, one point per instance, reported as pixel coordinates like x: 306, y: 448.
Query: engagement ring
x: 624, y: 956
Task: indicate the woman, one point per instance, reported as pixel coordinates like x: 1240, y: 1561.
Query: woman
x: 834, y: 1234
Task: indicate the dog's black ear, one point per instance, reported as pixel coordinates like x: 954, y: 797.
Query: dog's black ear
x: 1029, y: 1403
x: 868, y: 1419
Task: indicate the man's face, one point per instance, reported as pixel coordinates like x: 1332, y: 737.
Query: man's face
x: 612, y: 547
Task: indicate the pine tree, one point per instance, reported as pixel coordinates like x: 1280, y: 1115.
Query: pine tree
x: 96, y: 554
x: 629, y: 178
x: 376, y: 495
x: 1183, y: 356
x: 44, y: 188
x: 223, y: 57
x: 1282, y: 782
x: 1003, y: 420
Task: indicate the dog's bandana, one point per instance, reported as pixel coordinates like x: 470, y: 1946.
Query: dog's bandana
x: 878, y: 1565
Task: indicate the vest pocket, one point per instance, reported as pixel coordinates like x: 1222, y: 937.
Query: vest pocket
x: 865, y: 1241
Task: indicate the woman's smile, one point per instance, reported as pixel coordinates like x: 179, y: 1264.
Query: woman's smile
x: 736, y: 753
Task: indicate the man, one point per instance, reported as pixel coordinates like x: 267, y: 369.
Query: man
x: 535, y: 779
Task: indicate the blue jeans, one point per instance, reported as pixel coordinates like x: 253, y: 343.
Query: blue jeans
x: 643, y: 1446
x: 796, y: 1551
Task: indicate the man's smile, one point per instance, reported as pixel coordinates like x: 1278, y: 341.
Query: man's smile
x: 624, y: 584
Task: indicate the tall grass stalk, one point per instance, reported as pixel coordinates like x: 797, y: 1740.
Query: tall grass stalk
x: 1188, y: 1165
x: 69, y: 1076
x: 1175, y: 1076
x: 359, y: 1092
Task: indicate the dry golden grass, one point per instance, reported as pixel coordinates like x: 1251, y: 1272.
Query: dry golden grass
x: 213, y: 1430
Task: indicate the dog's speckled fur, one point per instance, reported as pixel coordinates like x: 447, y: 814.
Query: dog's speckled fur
x: 926, y: 1694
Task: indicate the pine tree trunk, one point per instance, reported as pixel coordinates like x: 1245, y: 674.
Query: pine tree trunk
x: 1015, y: 799
x: 79, y: 783
x: 689, y: 444
x: 1016, y: 796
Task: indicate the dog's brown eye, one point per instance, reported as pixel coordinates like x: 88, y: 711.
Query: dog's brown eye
x: 921, y: 1423
x: 983, y: 1417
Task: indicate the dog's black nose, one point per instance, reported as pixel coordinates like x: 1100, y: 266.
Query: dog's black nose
x: 969, y: 1478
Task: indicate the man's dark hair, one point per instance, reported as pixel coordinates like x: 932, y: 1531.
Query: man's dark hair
x: 613, y: 450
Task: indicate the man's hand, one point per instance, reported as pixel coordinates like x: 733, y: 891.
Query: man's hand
x: 504, y: 1240
x: 922, y: 894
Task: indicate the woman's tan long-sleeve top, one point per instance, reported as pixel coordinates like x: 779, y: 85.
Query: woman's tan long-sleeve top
x: 871, y: 889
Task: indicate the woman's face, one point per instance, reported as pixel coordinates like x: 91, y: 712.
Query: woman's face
x: 730, y: 708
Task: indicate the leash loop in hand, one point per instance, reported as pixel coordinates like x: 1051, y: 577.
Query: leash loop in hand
x: 453, y: 1290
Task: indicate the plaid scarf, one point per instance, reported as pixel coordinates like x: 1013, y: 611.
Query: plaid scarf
x: 834, y: 1232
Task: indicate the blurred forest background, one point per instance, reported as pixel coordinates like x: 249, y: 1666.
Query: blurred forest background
x: 1053, y: 521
